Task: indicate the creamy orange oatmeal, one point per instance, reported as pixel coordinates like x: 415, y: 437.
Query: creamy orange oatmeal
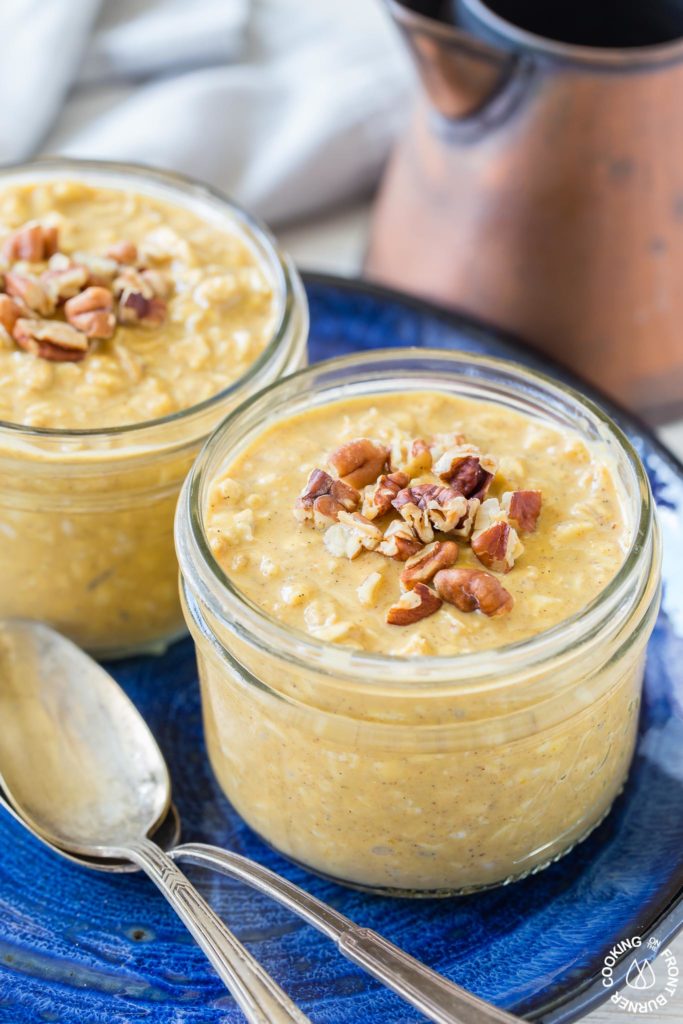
x: 372, y: 595
x: 433, y: 525
x: 121, y: 307
x: 140, y: 308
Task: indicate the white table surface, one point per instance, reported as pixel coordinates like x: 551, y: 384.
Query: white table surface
x: 335, y: 244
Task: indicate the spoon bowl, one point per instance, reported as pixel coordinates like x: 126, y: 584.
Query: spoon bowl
x: 79, y: 761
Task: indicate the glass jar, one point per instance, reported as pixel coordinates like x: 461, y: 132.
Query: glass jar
x: 421, y: 775
x: 86, y: 516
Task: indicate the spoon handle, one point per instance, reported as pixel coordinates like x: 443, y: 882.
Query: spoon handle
x: 439, y: 999
x: 258, y: 995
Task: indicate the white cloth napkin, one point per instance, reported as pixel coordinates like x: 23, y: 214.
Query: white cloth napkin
x: 288, y: 105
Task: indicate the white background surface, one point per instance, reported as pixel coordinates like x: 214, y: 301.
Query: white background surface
x: 335, y: 244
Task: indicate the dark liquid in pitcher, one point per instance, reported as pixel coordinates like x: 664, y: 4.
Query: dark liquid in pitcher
x: 606, y: 23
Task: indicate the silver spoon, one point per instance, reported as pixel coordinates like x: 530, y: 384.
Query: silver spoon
x: 438, y: 998
x: 80, y: 767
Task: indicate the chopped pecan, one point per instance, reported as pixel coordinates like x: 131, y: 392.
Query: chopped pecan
x: 322, y: 485
x: 399, y: 542
x: 494, y: 542
x: 414, y: 605
x: 473, y: 589
x: 63, y: 279
x: 101, y: 269
x: 351, y: 535
x: 51, y: 339
x: 123, y: 252
x: 32, y: 242
x: 423, y: 567
x: 136, y: 309
x: 412, y: 457
x: 370, y: 535
x: 407, y: 503
x: 10, y: 312
x: 30, y: 291
x: 359, y: 462
x: 429, y: 507
x: 377, y: 501
x: 92, y: 312
x: 466, y: 470
x: 523, y: 509
x: 138, y: 301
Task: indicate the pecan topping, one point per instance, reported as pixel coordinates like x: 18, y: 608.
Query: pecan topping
x: 51, y: 339
x: 31, y: 292
x: 399, y: 542
x: 523, y: 509
x: 473, y: 589
x: 429, y: 507
x: 309, y: 504
x: 135, y: 308
x: 360, y: 462
x: 10, y: 312
x: 63, y: 279
x: 413, y: 457
x: 414, y: 605
x: 91, y: 312
x: 123, y: 252
x: 377, y: 501
x: 465, y: 470
x: 351, y: 535
x: 423, y: 567
x: 32, y: 242
x: 494, y: 541
x: 101, y: 270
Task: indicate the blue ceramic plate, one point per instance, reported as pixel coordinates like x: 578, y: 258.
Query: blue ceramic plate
x: 78, y: 947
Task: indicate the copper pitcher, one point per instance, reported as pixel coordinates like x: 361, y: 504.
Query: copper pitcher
x: 540, y: 185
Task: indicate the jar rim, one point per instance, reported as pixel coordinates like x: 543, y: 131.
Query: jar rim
x: 257, y: 627
x: 279, y: 266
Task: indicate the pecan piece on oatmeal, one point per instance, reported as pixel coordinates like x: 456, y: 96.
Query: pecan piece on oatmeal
x: 351, y: 535
x: 466, y: 470
x: 412, y: 457
x: 423, y: 567
x: 377, y: 500
x: 32, y: 242
x: 429, y: 507
x: 63, y: 279
x: 123, y: 252
x: 523, y: 509
x: 359, y: 462
x: 101, y: 269
x: 51, y: 339
x: 10, y: 312
x: 414, y: 605
x: 139, y: 302
x: 399, y: 542
x: 309, y: 504
x: 30, y: 291
x: 135, y: 309
x: 92, y: 312
x: 494, y: 541
x: 473, y: 590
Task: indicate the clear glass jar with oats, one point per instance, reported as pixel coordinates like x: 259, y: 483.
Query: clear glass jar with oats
x: 421, y: 586
x: 137, y: 308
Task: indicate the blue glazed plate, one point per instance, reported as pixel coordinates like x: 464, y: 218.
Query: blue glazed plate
x: 78, y: 947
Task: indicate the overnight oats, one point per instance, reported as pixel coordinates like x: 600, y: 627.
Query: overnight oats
x: 421, y: 587
x: 136, y: 310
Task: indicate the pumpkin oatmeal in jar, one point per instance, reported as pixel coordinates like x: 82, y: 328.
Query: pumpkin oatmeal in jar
x: 136, y: 309
x: 420, y: 585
